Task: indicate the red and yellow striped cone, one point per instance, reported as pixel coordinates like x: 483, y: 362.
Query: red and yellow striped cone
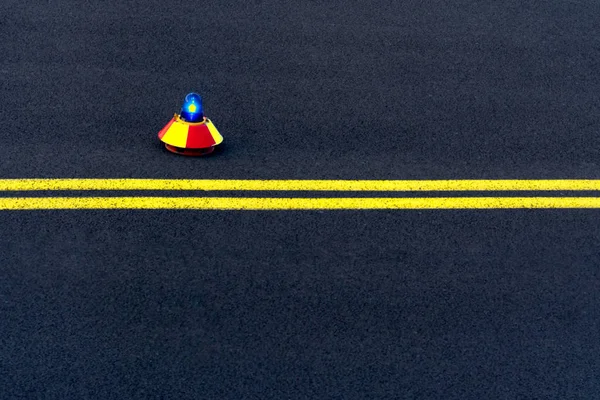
x: 189, y: 138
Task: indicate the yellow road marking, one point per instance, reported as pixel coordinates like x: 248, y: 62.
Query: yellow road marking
x: 245, y: 203
x: 299, y: 185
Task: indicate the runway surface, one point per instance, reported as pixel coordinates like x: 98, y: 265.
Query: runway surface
x: 321, y: 303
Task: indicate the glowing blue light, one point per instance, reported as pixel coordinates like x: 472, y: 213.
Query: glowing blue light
x: 192, y: 108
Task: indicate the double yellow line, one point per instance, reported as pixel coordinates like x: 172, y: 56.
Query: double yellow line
x: 298, y: 203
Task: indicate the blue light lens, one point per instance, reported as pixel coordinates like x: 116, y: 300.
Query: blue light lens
x: 192, y: 108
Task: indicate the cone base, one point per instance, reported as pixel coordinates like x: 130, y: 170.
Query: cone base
x: 189, y: 152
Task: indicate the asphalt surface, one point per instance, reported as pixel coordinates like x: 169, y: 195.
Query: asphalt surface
x: 312, y: 304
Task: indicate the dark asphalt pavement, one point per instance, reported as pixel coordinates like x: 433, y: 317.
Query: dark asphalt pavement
x: 339, y: 304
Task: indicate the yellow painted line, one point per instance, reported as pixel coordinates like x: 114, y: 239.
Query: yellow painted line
x: 299, y: 185
x: 245, y: 203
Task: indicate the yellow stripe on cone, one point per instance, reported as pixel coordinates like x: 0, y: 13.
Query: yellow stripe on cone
x: 214, y: 132
x: 177, y: 134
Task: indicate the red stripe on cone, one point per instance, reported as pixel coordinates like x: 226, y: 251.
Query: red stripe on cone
x: 165, y: 129
x: 199, y: 137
